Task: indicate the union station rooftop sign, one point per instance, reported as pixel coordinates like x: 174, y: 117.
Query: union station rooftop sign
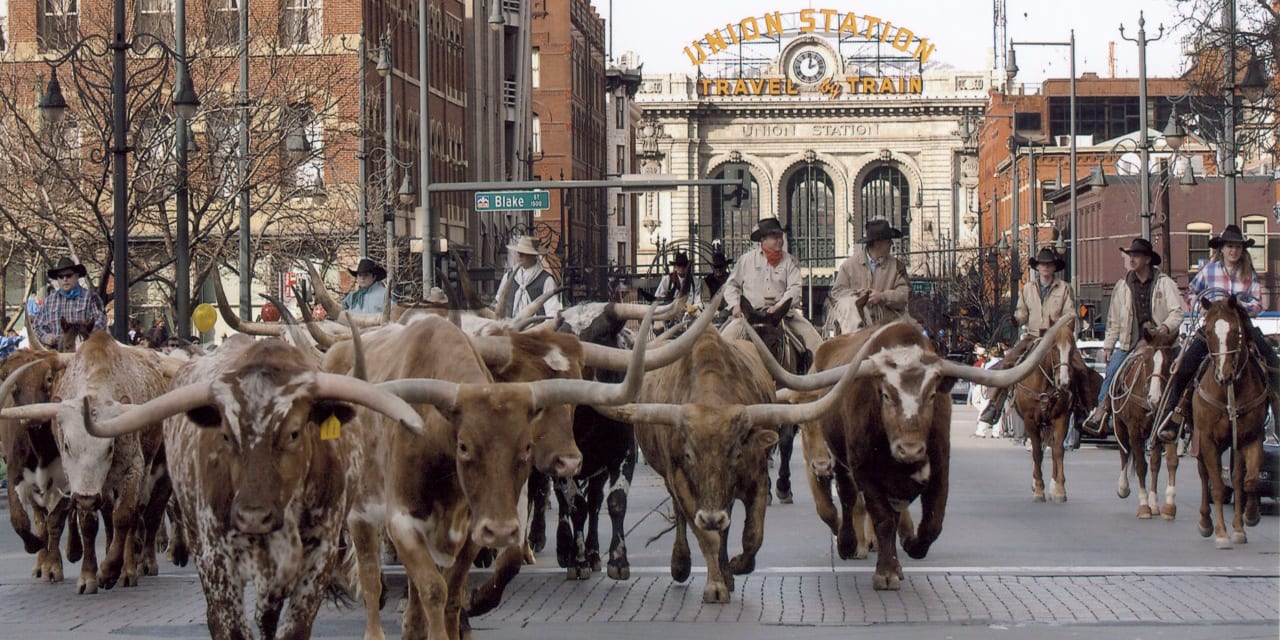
x: 812, y: 51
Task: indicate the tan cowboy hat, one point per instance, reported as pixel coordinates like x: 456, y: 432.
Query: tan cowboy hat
x: 437, y: 296
x: 527, y: 245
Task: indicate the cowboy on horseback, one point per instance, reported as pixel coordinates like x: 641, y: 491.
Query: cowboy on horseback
x: 1144, y: 297
x: 1231, y: 270
x: 768, y: 278
x: 1045, y: 298
x: 875, y: 281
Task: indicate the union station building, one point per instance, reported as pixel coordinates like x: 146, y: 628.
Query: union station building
x: 840, y: 118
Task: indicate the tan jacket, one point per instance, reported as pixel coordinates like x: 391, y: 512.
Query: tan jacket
x: 890, y: 279
x: 762, y: 284
x: 1038, y: 316
x: 1166, y: 310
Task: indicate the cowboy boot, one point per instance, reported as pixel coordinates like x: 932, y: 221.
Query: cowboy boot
x: 1095, y: 424
x: 1171, y: 426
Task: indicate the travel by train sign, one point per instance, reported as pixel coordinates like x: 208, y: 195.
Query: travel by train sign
x: 822, y: 51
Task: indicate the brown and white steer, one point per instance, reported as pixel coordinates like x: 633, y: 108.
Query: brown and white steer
x: 37, y: 484
x: 705, y: 425
x: 262, y: 488
x: 892, y: 432
x: 458, y: 488
x: 107, y: 475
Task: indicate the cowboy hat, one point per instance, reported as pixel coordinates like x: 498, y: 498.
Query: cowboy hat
x: 527, y: 245
x: 880, y: 230
x: 1230, y: 235
x: 368, y: 266
x: 681, y: 259
x: 1048, y: 255
x: 719, y: 261
x: 67, y: 264
x: 437, y: 296
x: 1143, y: 246
x: 766, y: 227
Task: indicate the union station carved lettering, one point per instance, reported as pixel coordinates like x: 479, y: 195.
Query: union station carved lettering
x: 787, y: 130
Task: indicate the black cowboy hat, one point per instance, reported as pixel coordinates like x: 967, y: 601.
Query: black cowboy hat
x: 880, y: 230
x: 368, y: 266
x: 766, y: 227
x: 1141, y: 245
x: 1230, y: 235
x: 67, y: 264
x: 718, y: 260
x: 681, y: 259
x: 1048, y: 255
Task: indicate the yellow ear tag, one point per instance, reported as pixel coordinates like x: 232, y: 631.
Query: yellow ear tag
x: 331, y: 428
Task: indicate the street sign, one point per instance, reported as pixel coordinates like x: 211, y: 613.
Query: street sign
x: 918, y: 286
x: 513, y: 200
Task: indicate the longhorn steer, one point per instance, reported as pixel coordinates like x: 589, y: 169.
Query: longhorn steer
x: 37, y: 482
x: 111, y: 474
x: 706, y: 426
x: 262, y: 488
x: 891, y: 435
x: 456, y: 489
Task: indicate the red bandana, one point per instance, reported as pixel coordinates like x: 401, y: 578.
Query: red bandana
x: 774, y: 257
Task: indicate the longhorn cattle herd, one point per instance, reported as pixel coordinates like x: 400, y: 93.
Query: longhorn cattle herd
x: 285, y: 463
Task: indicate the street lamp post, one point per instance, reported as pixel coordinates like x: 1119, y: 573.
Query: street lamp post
x: 1144, y: 144
x: 1011, y: 70
x: 53, y: 106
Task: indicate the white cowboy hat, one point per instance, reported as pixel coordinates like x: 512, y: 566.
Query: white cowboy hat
x: 527, y: 245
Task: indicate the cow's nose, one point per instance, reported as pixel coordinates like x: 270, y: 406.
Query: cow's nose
x: 85, y: 502
x: 255, y: 520
x: 497, y: 534
x: 821, y: 468
x: 568, y: 466
x: 908, y: 451
x: 711, y: 520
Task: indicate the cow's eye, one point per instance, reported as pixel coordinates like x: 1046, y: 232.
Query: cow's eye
x: 464, y: 452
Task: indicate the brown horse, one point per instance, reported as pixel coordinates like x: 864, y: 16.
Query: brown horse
x: 1043, y: 400
x: 1136, y: 391
x: 1228, y: 411
x: 73, y: 333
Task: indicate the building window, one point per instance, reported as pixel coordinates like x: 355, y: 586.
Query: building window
x: 811, y: 214
x: 153, y: 143
x: 1255, y: 227
x: 620, y: 212
x: 59, y: 24
x: 886, y: 194
x: 222, y: 128
x: 300, y: 22
x: 1198, y: 234
x: 1026, y: 122
x: 621, y: 254
x: 4, y: 25
x: 731, y: 224
x: 621, y: 152
x: 305, y: 174
x: 620, y: 112
x: 155, y: 17
x: 224, y: 22
x: 536, y: 134
x: 536, y: 69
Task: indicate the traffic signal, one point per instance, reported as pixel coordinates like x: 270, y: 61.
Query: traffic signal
x: 737, y: 193
x: 1088, y: 316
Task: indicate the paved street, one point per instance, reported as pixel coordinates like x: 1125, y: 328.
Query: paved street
x: 1004, y: 567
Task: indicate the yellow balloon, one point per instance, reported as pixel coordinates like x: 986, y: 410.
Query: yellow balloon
x: 204, y: 316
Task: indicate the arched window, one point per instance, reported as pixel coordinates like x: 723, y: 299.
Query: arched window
x: 886, y: 194
x: 1198, y: 234
x: 811, y: 215
x: 732, y: 224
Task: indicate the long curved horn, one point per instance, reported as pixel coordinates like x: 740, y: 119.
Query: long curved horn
x: 559, y: 391
x: 611, y: 359
x: 1007, y: 377
x: 6, y: 388
x: 632, y: 311
x: 180, y: 400
x: 521, y: 325
x: 169, y: 365
x: 39, y: 411
x: 360, y: 367
x: 796, y: 381
x: 347, y: 389
x: 300, y: 340
x: 365, y: 320
x: 536, y: 305
x: 643, y: 413
x: 323, y: 338
x: 233, y: 321
x: 494, y: 350
x: 35, y: 343
x: 441, y: 393
x: 331, y: 308
x: 506, y: 291
x: 762, y: 414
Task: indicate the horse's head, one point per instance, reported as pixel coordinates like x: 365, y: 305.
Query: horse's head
x: 73, y: 333
x: 1157, y: 361
x: 769, y: 327
x: 1225, y: 322
x: 843, y: 316
x: 1058, y: 359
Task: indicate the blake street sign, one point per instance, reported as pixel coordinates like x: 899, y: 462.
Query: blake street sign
x: 513, y: 200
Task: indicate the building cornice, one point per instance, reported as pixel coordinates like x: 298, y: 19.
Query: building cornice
x: 702, y: 110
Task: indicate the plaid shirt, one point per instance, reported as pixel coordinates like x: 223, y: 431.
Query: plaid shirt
x: 57, y: 307
x: 1215, y: 276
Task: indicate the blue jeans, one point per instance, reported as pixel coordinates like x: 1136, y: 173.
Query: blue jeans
x: 1117, y: 358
